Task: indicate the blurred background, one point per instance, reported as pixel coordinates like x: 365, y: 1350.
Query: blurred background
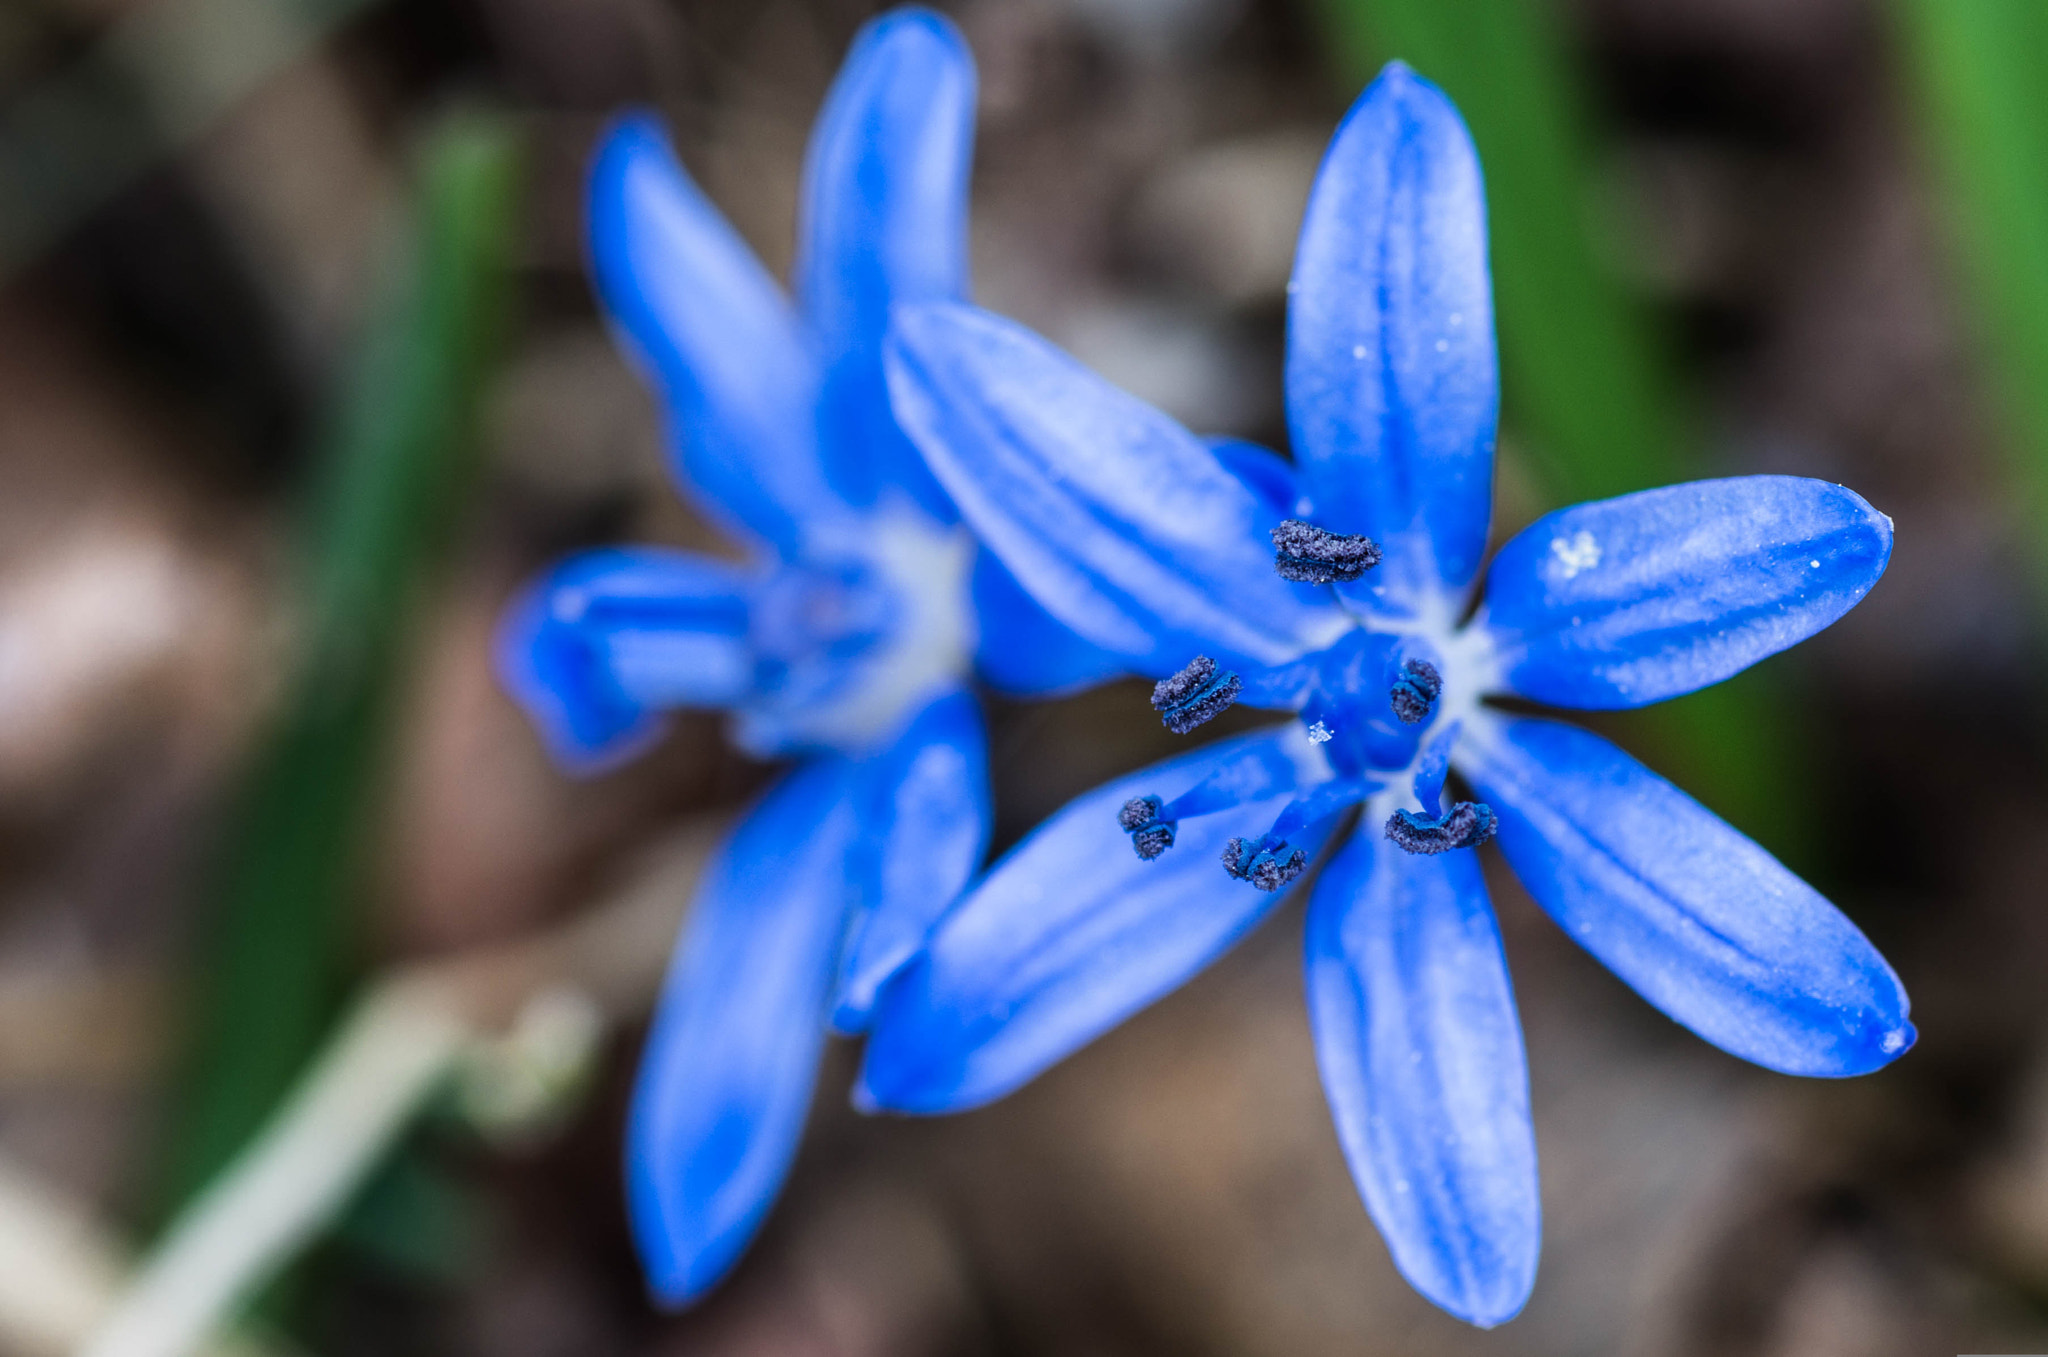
x: 300, y: 375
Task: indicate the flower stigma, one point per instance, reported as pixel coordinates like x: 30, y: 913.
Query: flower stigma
x: 1268, y: 864
x: 1415, y: 693
x: 1469, y: 824
x: 1194, y: 695
x: 1150, y: 835
x: 1307, y: 554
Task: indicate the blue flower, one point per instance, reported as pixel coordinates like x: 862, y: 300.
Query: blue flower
x: 845, y: 639
x: 1340, y: 588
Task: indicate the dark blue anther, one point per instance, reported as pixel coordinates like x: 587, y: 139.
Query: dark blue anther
x: 1150, y: 835
x: 1415, y: 693
x: 1268, y: 864
x: 1194, y: 695
x: 1469, y: 824
x: 1307, y: 554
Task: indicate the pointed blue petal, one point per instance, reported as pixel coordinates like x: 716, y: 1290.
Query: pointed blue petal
x: 1118, y: 521
x: 738, y: 379
x: 1421, y: 1055
x: 924, y: 829
x: 1066, y: 937
x: 1703, y: 923
x: 726, y: 1077
x: 1392, y: 383
x: 1022, y: 649
x: 884, y: 220
x: 598, y: 647
x: 1632, y: 600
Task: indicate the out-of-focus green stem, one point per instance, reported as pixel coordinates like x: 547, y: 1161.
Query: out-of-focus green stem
x: 277, y: 953
x: 1979, y: 69
x: 1584, y: 371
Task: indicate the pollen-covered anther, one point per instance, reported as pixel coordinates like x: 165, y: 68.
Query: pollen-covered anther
x: 1268, y: 864
x: 1414, y: 694
x: 1150, y: 835
x: 1194, y: 695
x: 1306, y: 554
x: 1467, y: 825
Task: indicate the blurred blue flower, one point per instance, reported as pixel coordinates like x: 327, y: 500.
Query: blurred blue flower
x: 1339, y: 587
x: 845, y: 639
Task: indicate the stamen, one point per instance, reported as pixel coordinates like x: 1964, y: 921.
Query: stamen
x: 1307, y: 554
x: 1433, y: 768
x: 1415, y: 693
x: 1469, y: 824
x: 1268, y: 864
x: 1194, y: 695
x: 1150, y: 835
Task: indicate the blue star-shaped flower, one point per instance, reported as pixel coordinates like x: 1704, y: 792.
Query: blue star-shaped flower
x: 847, y: 640
x: 1339, y: 588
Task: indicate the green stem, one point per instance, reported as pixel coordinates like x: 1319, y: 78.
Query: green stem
x: 278, y: 951
x: 1979, y: 69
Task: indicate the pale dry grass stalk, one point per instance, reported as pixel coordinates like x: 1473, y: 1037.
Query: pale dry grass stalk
x: 403, y: 1041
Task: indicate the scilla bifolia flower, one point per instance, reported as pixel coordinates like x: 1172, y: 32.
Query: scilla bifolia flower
x: 845, y: 642
x: 1339, y: 588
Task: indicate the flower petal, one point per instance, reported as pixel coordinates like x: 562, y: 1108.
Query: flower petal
x: 884, y: 220
x: 1117, y: 520
x: 738, y: 379
x: 599, y: 646
x: 1628, y: 601
x: 1249, y: 772
x: 1421, y: 1055
x: 924, y: 830
x: 1026, y: 652
x: 1022, y: 649
x: 1699, y: 920
x: 726, y: 1077
x: 1066, y: 937
x: 1263, y: 471
x: 1392, y: 382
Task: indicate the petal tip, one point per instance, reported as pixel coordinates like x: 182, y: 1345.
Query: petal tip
x: 876, y: 1093
x: 628, y: 138
x: 1897, y: 1042
x: 1485, y: 1302
x: 912, y: 23
x: 681, y: 1285
x: 849, y: 1018
x: 679, y: 1265
x: 908, y: 1094
x: 1401, y: 84
x: 1900, y: 1040
x: 587, y: 734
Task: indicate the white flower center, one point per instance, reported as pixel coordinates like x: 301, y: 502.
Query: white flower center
x: 926, y: 569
